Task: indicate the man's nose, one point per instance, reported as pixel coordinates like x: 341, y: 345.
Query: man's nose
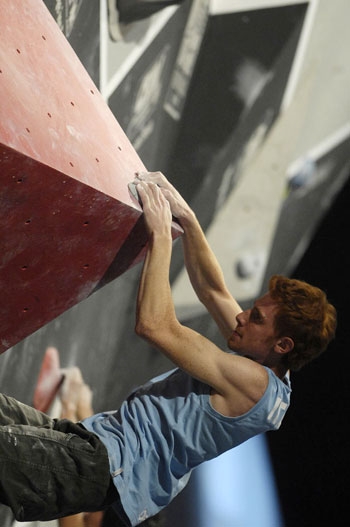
x: 240, y: 318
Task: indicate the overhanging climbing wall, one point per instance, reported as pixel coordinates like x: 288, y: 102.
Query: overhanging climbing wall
x: 67, y: 221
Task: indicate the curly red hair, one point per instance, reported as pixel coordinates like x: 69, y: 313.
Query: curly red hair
x: 305, y: 315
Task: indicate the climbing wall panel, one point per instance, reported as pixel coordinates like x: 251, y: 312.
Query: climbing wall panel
x: 68, y: 223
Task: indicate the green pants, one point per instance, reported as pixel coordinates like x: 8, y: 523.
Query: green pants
x: 50, y: 468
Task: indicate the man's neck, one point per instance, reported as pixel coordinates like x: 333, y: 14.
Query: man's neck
x: 279, y: 370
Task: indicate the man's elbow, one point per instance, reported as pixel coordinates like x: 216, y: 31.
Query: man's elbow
x: 139, y: 329
x: 155, y: 331
x: 145, y: 328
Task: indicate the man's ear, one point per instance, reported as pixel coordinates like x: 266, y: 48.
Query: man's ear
x: 284, y: 345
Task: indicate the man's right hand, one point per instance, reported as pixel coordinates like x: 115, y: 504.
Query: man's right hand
x: 156, y: 208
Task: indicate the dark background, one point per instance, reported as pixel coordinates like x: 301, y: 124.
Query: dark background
x: 310, y: 451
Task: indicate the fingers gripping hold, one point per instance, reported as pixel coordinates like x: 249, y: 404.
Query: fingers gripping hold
x: 133, y: 191
x: 179, y: 207
x: 156, y: 178
x: 153, y: 177
x: 156, y: 208
x: 151, y: 194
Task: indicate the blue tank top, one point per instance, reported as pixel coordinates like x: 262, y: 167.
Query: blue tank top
x: 167, y: 427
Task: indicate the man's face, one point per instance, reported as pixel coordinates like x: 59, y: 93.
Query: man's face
x: 255, y: 335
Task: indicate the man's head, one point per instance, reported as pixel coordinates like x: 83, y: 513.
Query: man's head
x: 287, y: 327
x: 304, y: 315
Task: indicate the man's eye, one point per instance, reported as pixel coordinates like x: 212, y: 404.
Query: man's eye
x: 255, y: 316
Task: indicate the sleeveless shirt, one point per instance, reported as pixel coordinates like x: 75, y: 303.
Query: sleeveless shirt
x: 166, y: 428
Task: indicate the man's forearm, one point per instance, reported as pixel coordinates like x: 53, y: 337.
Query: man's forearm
x: 154, y: 302
x: 201, y: 263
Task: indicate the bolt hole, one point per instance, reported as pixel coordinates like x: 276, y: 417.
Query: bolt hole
x: 86, y: 266
x: 28, y: 130
x: 119, y: 148
x: 25, y: 309
x: 48, y: 113
x: 43, y: 37
x: 97, y: 159
x: 24, y: 267
x: 92, y: 91
x: 72, y: 103
x: 71, y: 164
x: 18, y: 51
x: 86, y: 223
x: 19, y: 180
x: 28, y: 221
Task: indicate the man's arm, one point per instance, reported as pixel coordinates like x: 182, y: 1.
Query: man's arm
x: 237, y: 383
x: 202, y: 266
